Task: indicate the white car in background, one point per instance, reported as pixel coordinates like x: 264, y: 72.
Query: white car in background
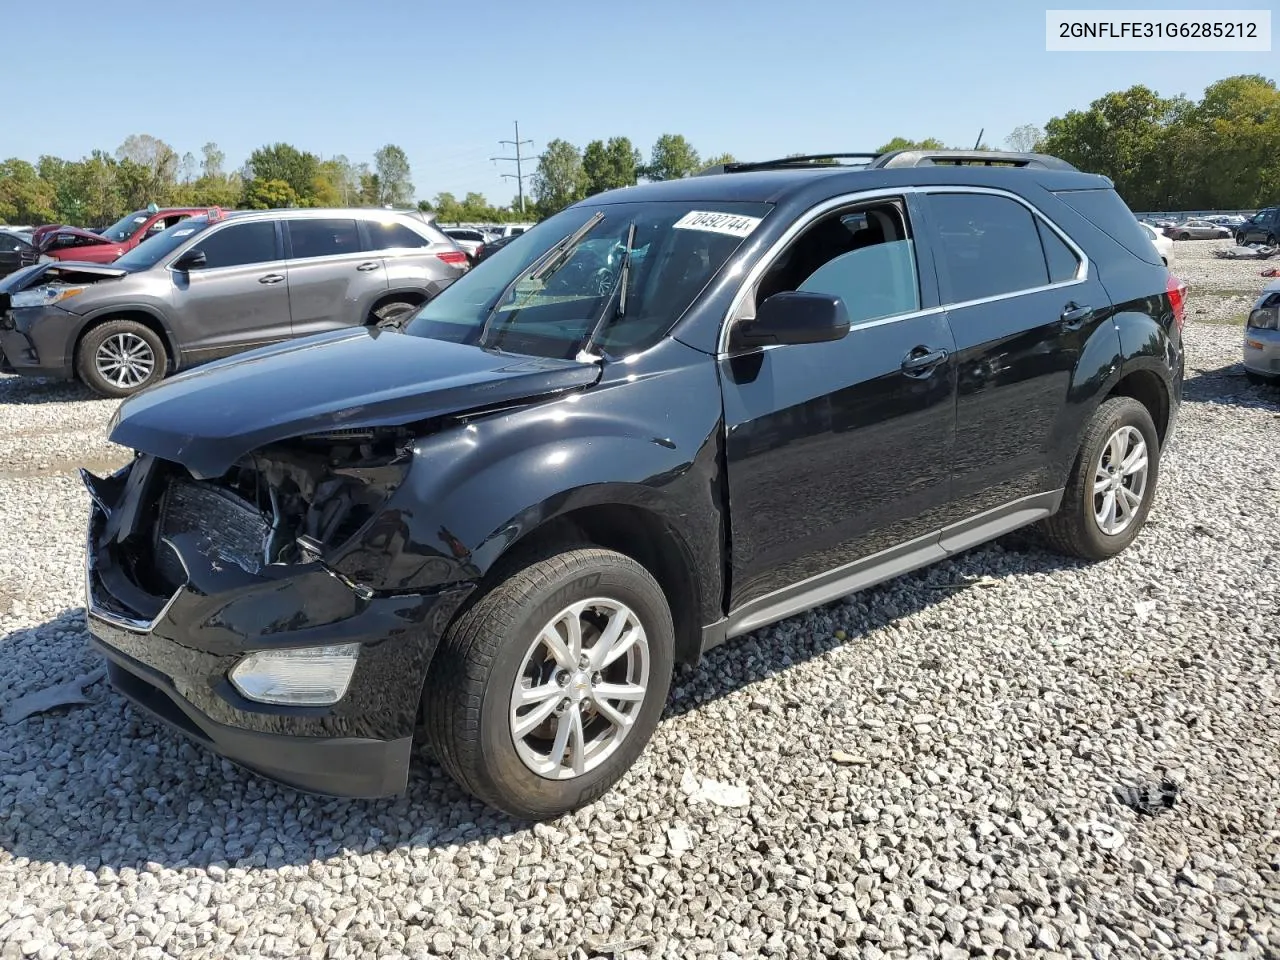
x: 469, y: 239
x: 1164, y: 245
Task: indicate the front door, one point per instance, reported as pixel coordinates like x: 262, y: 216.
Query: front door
x: 333, y: 281
x: 238, y: 299
x: 1022, y: 308
x: 839, y: 454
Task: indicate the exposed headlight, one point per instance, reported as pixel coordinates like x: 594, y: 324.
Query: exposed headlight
x: 44, y: 295
x: 1264, y: 318
x: 302, y: 677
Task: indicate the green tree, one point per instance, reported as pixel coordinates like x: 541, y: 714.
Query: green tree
x: 558, y: 180
x: 1025, y: 138
x: 672, y: 157
x: 24, y: 196
x: 448, y: 209
x: 285, y: 162
x: 211, y: 162
x: 394, y: 186
x: 1234, y: 133
x: 262, y: 194
x: 719, y: 160
x: 902, y: 143
x: 607, y: 166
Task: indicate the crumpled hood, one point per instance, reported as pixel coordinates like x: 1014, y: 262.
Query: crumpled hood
x: 42, y: 239
x: 210, y: 417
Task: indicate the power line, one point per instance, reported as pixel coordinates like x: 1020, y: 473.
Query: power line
x: 519, y: 175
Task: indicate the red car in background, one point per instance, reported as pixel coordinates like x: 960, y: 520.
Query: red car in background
x: 72, y: 243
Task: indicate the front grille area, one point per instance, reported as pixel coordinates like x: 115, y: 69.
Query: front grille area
x: 234, y: 529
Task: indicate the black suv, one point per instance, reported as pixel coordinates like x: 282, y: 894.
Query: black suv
x: 662, y: 418
x: 1262, y: 227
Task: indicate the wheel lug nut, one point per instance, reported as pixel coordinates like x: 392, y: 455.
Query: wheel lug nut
x: 564, y: 705
x: 595, y: 678
x: 562, y: 678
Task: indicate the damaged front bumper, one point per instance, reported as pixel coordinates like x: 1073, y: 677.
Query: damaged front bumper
x: 172, y: 653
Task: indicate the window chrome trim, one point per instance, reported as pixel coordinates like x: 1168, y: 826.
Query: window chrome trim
x: 820, y: 210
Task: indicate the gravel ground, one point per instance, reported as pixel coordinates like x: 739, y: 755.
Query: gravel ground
x: 931, y: 767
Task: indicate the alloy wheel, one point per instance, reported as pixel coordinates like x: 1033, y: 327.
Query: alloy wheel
x: 1120, y: 480
x: 125, y: 360
x: 581, y: 685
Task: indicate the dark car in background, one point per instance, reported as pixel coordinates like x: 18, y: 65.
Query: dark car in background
x: 16, y: 252
x: 664, y: 417
x: 87, y: 246
x: 217, y: 284
x: 1263, y: 227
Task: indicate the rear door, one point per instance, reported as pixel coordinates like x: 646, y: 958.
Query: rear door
x: 411, y: 260
x: 333, y: 280
x: 1022, y: 303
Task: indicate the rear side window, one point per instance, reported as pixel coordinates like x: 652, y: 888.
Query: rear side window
x: 1061, y: 259
x: 390, y: 235
x: 240, y: 244
x: 988, y: 246
x: 323, y: 238
x: 1106, y: 211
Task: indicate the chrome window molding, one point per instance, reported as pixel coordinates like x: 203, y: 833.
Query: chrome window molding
x: 820, y: 210
x: 96, y: 611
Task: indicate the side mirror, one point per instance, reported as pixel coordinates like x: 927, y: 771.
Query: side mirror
x: 793, y: 317
x: 191, y: 260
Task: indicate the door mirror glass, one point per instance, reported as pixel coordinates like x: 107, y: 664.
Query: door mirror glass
x: 793, y: 317
x: 191, y: 260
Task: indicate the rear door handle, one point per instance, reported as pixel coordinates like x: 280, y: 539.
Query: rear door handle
x: 922, y: 360
x: 1073, y: 316
x: 366, y: 267
x: 271, y: 278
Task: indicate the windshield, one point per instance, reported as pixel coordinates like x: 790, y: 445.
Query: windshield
x: 124, y: 228
x: 154, y: 249
x: 520, y: 301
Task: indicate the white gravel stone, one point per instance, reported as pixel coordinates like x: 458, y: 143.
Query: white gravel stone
x: 991, y: 706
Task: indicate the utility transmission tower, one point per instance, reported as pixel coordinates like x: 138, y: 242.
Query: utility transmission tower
x: 519, y: 175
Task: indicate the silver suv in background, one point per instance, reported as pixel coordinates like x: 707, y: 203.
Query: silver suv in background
x: 219, y: 284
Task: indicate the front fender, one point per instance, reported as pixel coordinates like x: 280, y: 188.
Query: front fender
x: 473, y: 490
x: 95, y: 315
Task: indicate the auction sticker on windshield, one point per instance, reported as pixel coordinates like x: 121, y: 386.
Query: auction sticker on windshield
x: 733, y: 224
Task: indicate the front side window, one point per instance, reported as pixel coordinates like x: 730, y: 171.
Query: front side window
x: 323, y: 238
x: 866, y: 257
x: 239, y: 245
x: 988, y: 246
x: 559, y: 287
x: 389, y: 235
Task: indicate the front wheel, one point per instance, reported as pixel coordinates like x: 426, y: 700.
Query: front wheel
x: 544, y: 693
x: 1111, y: 485
x: 120, y: 357
x: 1184, y: 236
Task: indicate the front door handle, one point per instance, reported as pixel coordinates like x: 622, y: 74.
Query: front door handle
x: 271, y: 278
x: 1074, y: 315
x: 922, y: 360
x: 366, y: 267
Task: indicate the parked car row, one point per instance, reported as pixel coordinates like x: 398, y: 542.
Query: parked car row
x: 211, y: 284
x: 663, y: 418
x: 475, y: 240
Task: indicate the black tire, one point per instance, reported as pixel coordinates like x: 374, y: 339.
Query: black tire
x: 1271, y: 240
x: 1185, y: 236
x: 467, y: 697
x: 1240, y: 239
x: 1074, y: 529
x: 118, y: 331
x: 391, y: 316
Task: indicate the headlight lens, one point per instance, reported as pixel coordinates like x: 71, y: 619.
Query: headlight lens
x: 1264, y: 318
x: 44, y: 295
x: 301, y: 677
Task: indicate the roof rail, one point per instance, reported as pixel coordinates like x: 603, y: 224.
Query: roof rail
x: 781, y: 163
x: 989, y: 158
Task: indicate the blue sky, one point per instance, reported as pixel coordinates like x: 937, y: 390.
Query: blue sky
x: 446, y: 80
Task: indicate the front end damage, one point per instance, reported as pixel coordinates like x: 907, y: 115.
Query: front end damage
x: 222, y: 610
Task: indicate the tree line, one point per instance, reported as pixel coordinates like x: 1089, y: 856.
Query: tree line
x: 1162, y: 152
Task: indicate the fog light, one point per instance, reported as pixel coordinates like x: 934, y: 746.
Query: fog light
x: 301, y: 677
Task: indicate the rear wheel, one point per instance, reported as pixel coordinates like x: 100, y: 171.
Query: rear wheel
x: 544, y: 693
x: 1184, y: 236
x: 1111, y: 485
x: 1271, y: 239
x: 120, y: 357
x: 393, y: 315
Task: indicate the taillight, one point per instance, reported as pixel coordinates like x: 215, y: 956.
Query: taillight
x: 455, y: 258
x: 1177, y: 291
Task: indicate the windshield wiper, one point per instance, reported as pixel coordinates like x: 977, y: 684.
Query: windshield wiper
x: 620, y: 287
x: 548, y: 263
